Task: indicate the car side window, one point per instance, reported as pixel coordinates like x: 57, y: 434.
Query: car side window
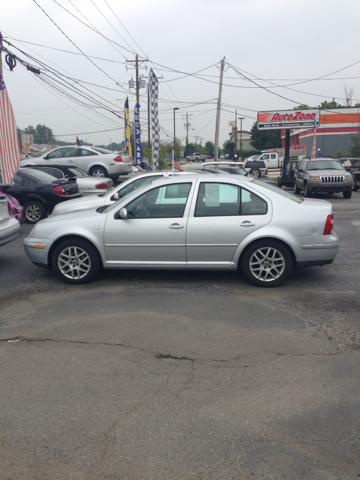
x: 16, y: 181
x: 217, y: 199
x: 55, y: 172
x: 273, y: 155
x: 161, y: 202
x: 56, y: 154
x: 251, y: 204
x: 266, y: 157
x: 86, y: 153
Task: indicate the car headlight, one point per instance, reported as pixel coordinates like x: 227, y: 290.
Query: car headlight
x: 315, y: 179
x: 348, y: 179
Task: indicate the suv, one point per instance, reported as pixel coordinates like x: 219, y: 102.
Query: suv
x: 324, y: 175
x: 256, y: 168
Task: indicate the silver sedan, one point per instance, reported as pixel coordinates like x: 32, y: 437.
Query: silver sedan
x: 190, y: 222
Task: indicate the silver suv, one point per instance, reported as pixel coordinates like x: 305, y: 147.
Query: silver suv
x: 325, y: 175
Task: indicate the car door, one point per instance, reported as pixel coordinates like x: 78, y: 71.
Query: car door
x: 85, y: 157
x: 220, y: 218
x: 300, y: 172
x: 154, y: 232
x: 17, y: 187
x: 63, y: 156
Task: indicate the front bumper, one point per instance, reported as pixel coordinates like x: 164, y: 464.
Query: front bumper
x: 38, y: 255
x: 330, y: 187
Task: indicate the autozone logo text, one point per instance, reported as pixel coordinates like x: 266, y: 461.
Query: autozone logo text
x: 296, y: 116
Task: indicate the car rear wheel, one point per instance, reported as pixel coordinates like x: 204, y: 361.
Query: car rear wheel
x: 267, y: 263
x: 76, y: 261
x: 307, y: 192
x: 255, y: 172
x: 98, y: 172
x: 34, y: 211
x: 347, y: 194
x: 296, y: 189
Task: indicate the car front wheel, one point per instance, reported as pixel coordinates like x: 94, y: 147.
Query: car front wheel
x: 347, y: 194
x: 307, y: 192
x: 34, y: 211
x: 296, y: 188
x: 98, y: 172
x: 267, y: 263
x: 76, y: 261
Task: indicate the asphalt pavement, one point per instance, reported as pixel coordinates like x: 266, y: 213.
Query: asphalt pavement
x: 182, y: 375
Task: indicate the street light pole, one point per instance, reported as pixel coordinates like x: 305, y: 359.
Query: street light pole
x: 241, y: 119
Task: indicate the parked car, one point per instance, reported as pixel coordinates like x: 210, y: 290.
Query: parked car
x: 350, y: 163
x: 196, y: 157
x: 9, y: 226
x: 95, y: 161
x: 325, y: 175
x: 109, y: 197
x: 16, y: 210
x: 87, y: 185
x: 289, y: 178
x: 39, y: 192
x: 256, y: 168
x: 356, y: 178
x: 252, y: 158
x: 190, y: 222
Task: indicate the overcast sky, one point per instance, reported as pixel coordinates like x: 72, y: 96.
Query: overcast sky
x: 267, y: 43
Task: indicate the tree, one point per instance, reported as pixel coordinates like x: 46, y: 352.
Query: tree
x: 332, y: 104
x: 209, y: 148
x: 42, y: 134
x: 303, y: 106
x: 264, y: 139
x: 355, y: 148
x: 339, y: 153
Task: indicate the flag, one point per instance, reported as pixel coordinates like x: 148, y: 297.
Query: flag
x: 78, y: 142
x: 138, y: 149
x: 176, y: 165
x: 313, y: 154
x: 153, y: 85
x: 128, y: 130
x: 9, y: 141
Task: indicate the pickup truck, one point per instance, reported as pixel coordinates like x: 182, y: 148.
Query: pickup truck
x: 196, y: 157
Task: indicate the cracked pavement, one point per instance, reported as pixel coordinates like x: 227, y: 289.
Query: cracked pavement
x: 182, y: 375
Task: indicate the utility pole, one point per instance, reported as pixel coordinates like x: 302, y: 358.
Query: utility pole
x: 137, y: 61
x: 241, y: 119
x: 218, y: 110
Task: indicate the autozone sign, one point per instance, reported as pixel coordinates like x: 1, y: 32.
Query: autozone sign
x: 288, y: 119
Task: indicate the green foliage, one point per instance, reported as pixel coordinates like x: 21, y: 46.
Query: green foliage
x: 263, y: 139
x: 165, y: 153
x: 194, y: 148
x: 355, y: 148
x: 332, y: 104
x: 42, y: 134
x: 112, y: 146
x: 209, y: 148
x: 303, y: 106
x: 339, y: 153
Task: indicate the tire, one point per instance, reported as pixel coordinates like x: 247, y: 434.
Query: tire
x: 76, y: 261
x: 296, y: 189
x: 98, y: 172
x: 255, y: 172
x: 263, y: 271
x: 347, y: 194
x: 307, y: 192
x: 34, y: 212
x: 355, y: 188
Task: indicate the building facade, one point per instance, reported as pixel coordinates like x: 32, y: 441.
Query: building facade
x: 335, y: 130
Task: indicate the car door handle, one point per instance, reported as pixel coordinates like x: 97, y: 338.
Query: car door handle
x: 71, y: 161
x: 175, y: 226
x: 247, y: 224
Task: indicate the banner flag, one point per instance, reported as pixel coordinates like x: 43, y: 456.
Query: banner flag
x: 313, y: 154
x: 176, y: 164
x: 9, y: 141
x: 153, y: 85
x: 78, y: 142
x: 128, y: 130
x: 138, y: 149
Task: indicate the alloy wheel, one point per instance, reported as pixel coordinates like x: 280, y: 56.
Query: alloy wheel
x: 267, y: 264
x: 33, y: 213
x: 74, y: 263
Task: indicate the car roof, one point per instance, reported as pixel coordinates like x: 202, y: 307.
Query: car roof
x: 230, y: 163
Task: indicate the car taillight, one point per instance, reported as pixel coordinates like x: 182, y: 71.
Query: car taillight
x: 140, y: 170
x: 59, y: 189
x: 101, y: 185
x: 118, y: 159
x: 329, y: 225
x: 266, y: 172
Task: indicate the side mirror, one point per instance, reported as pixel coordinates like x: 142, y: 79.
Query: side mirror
x: 115, y: 196
x: 123, y: 213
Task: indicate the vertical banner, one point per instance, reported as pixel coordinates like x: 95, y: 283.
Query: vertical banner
x: 9, y: 141
x: 155, y: 127
x: 128, y: 130
x: 313, y: 154
x: 138, y: 149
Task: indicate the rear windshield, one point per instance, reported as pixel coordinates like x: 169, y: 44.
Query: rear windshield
x: 278, y: 191
x: 77, y: 172
x: 101, y: 150
x: 41, y: 176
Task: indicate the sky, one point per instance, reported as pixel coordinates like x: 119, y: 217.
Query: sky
x: 275, y: 53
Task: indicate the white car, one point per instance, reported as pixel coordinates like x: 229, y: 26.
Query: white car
x: 109, y: 197
x: 9, y: 226
x: 95, y: 161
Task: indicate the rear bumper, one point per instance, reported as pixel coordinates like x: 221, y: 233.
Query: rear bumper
x: 315, y: 249
x: 9, y: 231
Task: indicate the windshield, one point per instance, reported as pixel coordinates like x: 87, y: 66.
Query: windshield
x: 277, y: 190
x: 324, y: 165
x: 41, y: 176
x: 130, y: 187
x: 102, y: 150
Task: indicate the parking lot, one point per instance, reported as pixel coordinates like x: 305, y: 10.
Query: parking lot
x: 182, y: 375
